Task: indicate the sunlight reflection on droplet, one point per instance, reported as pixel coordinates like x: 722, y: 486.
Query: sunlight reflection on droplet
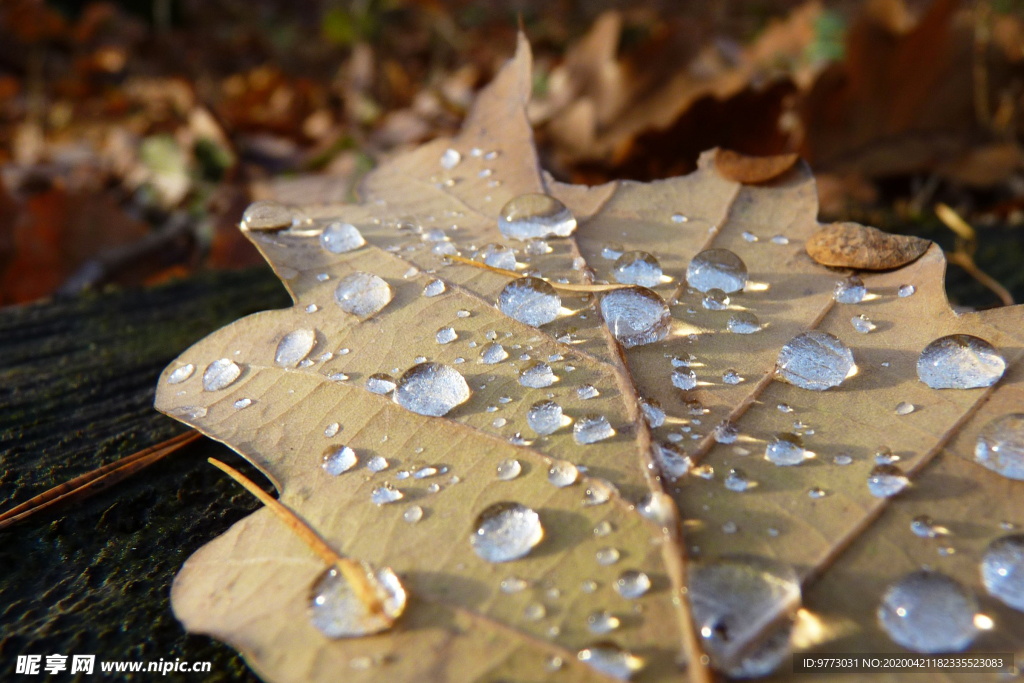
x: 983, y: 622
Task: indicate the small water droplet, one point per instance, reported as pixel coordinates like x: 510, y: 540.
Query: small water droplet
x: 904, y: 408
x: 493, y: 353
x: 587, y: 392
x: 598, y: 492
x: 431, y: 389
x: 220, y: 374
x: 380, y: 383
x: 535, y: 611
x: 498, y: 256
x: 506, y: 532
x: 1000, y: 446
x: 632, y: 584
x: 906, y: 290
x: 717, y: 269
x: 863, y: 324
x: 535, y: 216
x: 814, y: 360
x: 886, y: 481
x: 684, y: 379
x: 362, y: 294
x: 785, y: 450
x: 607, y: 556
x: 925, y: 527
x: 602, y: 622
x: 842, y: 459
x: 537, y: 376
x: 293, y: 347
x: 243, y: 403
x: 181, y: 374
x: 385, y: 493
x: 657, y: 507
x: 339, y: 238
x: 544, y: 417
x: 338, y: 610
x: 425, y: 472
x: 434, y: 288
x: 413, y: 514
x: 513, y: 584
x: 652, y: 412
x: 446, y: 335
x: 671, y: 460
x: 331, y: 430
x: 726, y: 432
x: 529, y: 300
x: 731, y: 377
x: 960, y: 361
x: 816, y: 493
x: 637, y: 268
x: 591, y: 429
x: 611, y: 660
x: 603, y: 528
x: 636, y: 316
x: 850, y: 291
x: 450, y: 159
x: 926, y: 611
x: 509, y: 469
x: 744, y: 322
x: 749, y: 236
x: 715, y: 300
x: 737, y: 480
x: 780, y: 240
x: 562, y: 473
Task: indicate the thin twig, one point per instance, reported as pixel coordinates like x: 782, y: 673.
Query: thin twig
x: 91, y: 482
x: 354, y: 572
x: 967, y: 245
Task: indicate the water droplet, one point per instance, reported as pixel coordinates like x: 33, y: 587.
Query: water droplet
x: 850, y: 291
x: 450, y: 159
x: 657, y: 507
x: 926, y: 611
x: 886, y: 480
x: 434, y: 288
x: 377, y: 463
x: 413, y: 514
x: 684, y: 379
x: 1000, y: 446
x: 602, y: 622
x: 637, y: 268
x: 671, y: 460
x: 544, y: 417
x: 339, y: 238
x: 294, y: 347
x: 537, y: 376
x: 267, y: 215
x: 181, y: 374
x: 863, y: 324
x: 603, y: 528
x: 744, y: 322
x: 732, y: 600
x: 509, y: 469
x: 715, y: 300
x: 786, y: 450
x: 960, y: 361
x: 591, y: 429
x: 653, y: 413
x: 535, y: 216
x: 611, y: 660
x: 529, y: 300
x: 563, y: 473
x: 737, y: 480
x: 717, y: 269
x: 780, y: 240
x: 726, y: 432
x: 842, y: 459
x: 220, y: 374
x: 904, y: 408
x: 635, y: 316
x: 704, y: 472
x: 632, y: 584
x: 446, y: 335
x: 749, y: 236
x: 506, y: 532
x: 586, y: 392
x: 598, y: 492
x: 607, y: 556
x: 243, y: 403
x: 1002, y: 570
x: 731, y: 377
x: 925, y: 527
x: 814, y: 360
x: 906, y: 290
x: 498, y: 256
x: 425, y: 472
x: 380, y: 383
x: 385, y: 493
x: 339, y: 460
x: 339, y: 611
x: 493, y: 353
x: 816, y: 493
x: 611, y: 252
x: 679, y: 218
x: 535, y: 611
x: 513, y: 584
x: 362, y: 294
x: 431, y: 389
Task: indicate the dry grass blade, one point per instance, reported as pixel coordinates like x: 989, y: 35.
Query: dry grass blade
x: 564, y: 286
x: 963, y: 256
x: 92, y: 482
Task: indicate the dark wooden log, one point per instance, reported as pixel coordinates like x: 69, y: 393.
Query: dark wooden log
x: 76, y: 392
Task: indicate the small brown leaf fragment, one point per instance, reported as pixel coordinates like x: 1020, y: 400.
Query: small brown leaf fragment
x: 851, y: 245
x: 752, y: 170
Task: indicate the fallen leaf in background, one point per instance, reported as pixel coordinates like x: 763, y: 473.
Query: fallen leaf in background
x: 712, y: 380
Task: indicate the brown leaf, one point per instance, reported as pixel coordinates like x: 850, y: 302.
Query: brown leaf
x: 750, y: 169
x: 850, y: 245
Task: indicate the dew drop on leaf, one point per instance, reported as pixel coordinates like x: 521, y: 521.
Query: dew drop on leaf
x: 926, y: 611
x: 924, y: 526
x: 431, y: 389
x: 446, y: 335
x: 906, y: 290
x: 434, y: 288
x: 529, y: 300
x: 657, y: 507
x: 602, y: 622
x: 744, y: 322
x: 544, y: 417
x: 684, y: 379
x: 726, y: 432
x: 562, y: 473
x: 377, y: 463
x: 293, y: 347
x: 607, y: 556
x: 816, y: 493
x: 863, y: 324
x: 1000, y: 446
x: 505, y: 532
x: 220, y: 374
x: 509, y: 469
x: 653, y: 413
x: 715, y: 300
x: 671, y: 460
x: 339, y: 460
x: 337, y: 610
x: 450, y: 159
x: 587, y: 392
x: 850, y: 291
x: 960, y: 361
x: 497, y: 256
x: 591, y: 429
x: 243, y: 403
x: 181, y: 374
x: 598, y: 492
x: 886, y: 480
x: 637, y: 268
x: 362, y: 294
x: 737, y: 480
x: 537, y: 376
x: 380, y: 383
x: 904, y: 408
x: 635, y: 316
x: 785, y: 450
x: 717, y: 269
x: 493, y: 353
x: 535, y: 216
x: 611, y: 660
x: 384, y: 494
x: 413, y: 514
x: 267, y: 215
x: 1002, y: 570
x: 632, y: 584
x: 535, y: 611
x: 512, y: 585
x: 814, y: 360
x: 339, y: 238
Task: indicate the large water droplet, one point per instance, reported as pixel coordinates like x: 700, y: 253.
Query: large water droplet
x: 591, y: 429
x: 960, y: 361
x: 338, y: 610
x: 786, y: 450
x: 509, y: 469
x: 611, y: 660
x: 886, y: 481
x: 744, y: 322
x: 220, y: 374
x: 733, y: 600
x: 544, y: 417
x: 1000, y: 446
x: 1002, y: 570
x: 339, y: 460
x: 529, y: 300
x: 563, y: 473
x: 632, y: 584
x: 671, y: 460
x: 339, y: 238
x: 362, y: 294
x: 814, y: 360
x: 294, y: 346
x: 717, y: 269
x: 179, y: 375
x: 431, y: 389
x: 850, y: 291
x: 926, y: 611
x: 637, y: 268
x: 636, y: 316
x: 537, y: 376
x: 535, y: 216
x: 506, y: 532
x: 267, y: 215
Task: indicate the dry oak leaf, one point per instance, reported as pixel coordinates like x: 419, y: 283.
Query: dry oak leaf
x: 752, y: 170
x: 530, y: 619
x: 849, y: 245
